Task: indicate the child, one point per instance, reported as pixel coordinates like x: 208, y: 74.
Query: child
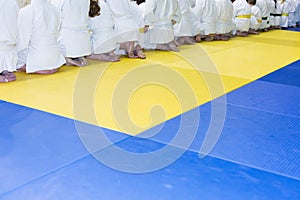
x: 126, y: 26
x: 276, y: 14
x: 285, y: 9
x: 103, y: 35
x: 241, y: 17
x: 298, y: 13
x: 263, y: 5
x: 74, y: 38
x: 8, y: 39
x: 160, y: 17
x: 38, y: 49
x: 224, y: 19
x: 137, y: 13
x: 205, y: 11
x: 293, y: 13
x: 255, y: 19
x: 184, y: 30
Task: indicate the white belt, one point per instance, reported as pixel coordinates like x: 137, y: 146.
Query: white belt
x: 7, y: 47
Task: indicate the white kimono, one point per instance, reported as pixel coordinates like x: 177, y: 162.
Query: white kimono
x: 185, y: 27
x: 241, y: 15
x: 272, y: 12
x: 38, y: 26
x: 8, y: 36
x: 293, y: 12
x: 255, y: 19
x: 126, y: 26
x: 137, y: 13
x: 285, y: 10
x: 265, y: 12
x: 224, y: 16
x: 74, y: 38
x: 102, y: 28
x: 158, y: 14
x: 298, y: 11
x: 205, y: 11
x: 277, y: 13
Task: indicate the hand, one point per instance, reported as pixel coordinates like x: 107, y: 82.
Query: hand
x: 173, y: 21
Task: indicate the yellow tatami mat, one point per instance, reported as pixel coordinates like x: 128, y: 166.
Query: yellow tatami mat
x: 134, y: 95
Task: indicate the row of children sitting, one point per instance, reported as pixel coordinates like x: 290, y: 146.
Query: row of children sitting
x: 43, y: 36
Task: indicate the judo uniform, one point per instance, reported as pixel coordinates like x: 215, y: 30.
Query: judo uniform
x: 264, y: 6
x: 8, y: 37
x: 102, y: 28
x: 224, y: 16
x: 185, y: 27
x: 205, y: 11
x: 285, y: 10
x: 38, y: 27
x: 74, y: 37
x: 255, y: 19
x: 126, y: 26
x: 241, y: 15
x: 293, y: 12
x: 158, y: 14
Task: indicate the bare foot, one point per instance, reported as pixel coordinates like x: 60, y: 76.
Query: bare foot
x: 189, y: 40
x: 139, y: 52
x: 172, y: 46
x: 179, y: 41
x: 210, y: 37
x: 22, y: 69
x: 8, y: 75
x: 3, y: 79
x: 242, y: 34
x: 162, y: 47
x: 104, y: 57
x: 6, y: 79
x: 44, y: 72
x: 252, y: 31
x: 197, y: 38
x: 79, y: 62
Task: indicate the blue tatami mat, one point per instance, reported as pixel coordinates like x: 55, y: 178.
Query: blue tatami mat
x: 289, y: 75
x: 251, y: 137
x: 189, y: 178
x: 268, y: 96
x: 34, y: 143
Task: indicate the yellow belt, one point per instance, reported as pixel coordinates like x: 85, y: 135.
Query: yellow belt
x: 141, y: 30
x: 259, y: 21
x: 285, y: 14
x: 244, y: 16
